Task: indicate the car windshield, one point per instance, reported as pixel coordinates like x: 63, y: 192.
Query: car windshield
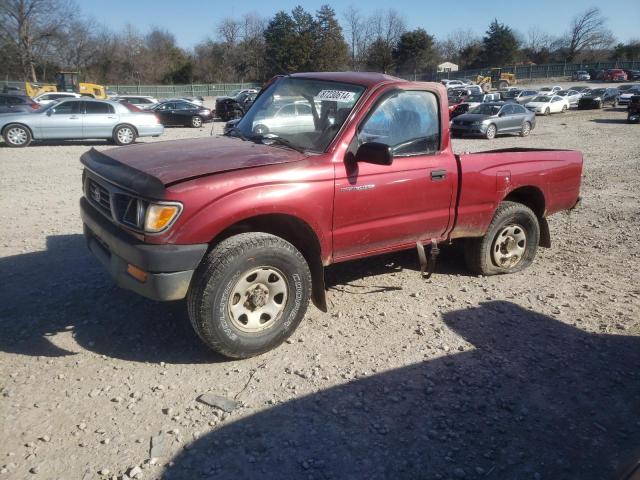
x: 597, y: 91
x: 541, y: 98
x: 304, y: 113
x: 485, y: 109
x: 545, y: 89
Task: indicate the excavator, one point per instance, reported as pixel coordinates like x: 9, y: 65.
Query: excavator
x: 66, y: 82
x: 496, y: 79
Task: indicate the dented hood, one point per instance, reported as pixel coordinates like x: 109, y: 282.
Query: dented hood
x: 147, y: 168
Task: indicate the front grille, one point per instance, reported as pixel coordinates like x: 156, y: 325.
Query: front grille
x: 99, y: 196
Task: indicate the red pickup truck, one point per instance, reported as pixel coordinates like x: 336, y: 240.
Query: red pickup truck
x: 323, y: 168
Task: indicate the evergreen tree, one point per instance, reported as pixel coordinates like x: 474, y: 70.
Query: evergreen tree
x: 279, y: 37
x: 330, y: 49
x: 500, y: 45
x: 415, y: 52
x: 380, y: 56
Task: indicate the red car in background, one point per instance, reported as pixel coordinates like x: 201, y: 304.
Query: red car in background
x: 615, y: 75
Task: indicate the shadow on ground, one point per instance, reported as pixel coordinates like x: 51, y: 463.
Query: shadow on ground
x: 609, y: 120
x: 64, y: 288
x: 534, y: 399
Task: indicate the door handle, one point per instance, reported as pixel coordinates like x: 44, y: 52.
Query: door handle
x: 437, y: 175
x: 111, y: 117
x: 73, y: 117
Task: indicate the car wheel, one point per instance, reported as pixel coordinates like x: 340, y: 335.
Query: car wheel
x: 525, y: 130
x: 124, y: 135
x: 564, y: 109
x: 260, y: 129
x: 16, y: 135
x: 491, y: 132
x: 614, y: 103
x: 547, y: 112
x: 249, y: 294
x: 196, y: 121
x: 503, y: 84
x: 510, y: 244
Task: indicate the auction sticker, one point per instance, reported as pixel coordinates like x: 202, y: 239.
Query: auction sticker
x: 337, y: 95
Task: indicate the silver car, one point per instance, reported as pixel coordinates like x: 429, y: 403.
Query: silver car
x: 290, y: 117
x: 80, y: 119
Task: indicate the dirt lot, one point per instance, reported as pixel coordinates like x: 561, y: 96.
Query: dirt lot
x: 529, y: 376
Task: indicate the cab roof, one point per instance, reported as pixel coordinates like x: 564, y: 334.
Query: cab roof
x: 366, y: 79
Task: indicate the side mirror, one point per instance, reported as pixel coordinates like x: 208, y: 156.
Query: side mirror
x: 374, y: 152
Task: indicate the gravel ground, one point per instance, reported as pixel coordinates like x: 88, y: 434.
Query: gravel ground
x: 528, y: 376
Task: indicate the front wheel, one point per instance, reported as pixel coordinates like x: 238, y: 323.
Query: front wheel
x: 547, y: 112
x: 491, y: 132
x: 249, y: 294
x: 196, y: 121
x: 124, y: 135
x: 16, y: 136
x: 510, y: 244
x: 564, y: 109
x: 525, y: 130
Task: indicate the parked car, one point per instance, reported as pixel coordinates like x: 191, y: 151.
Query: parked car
x: 615, y: 75
x: 141, y: 101
x: 471, y: 89
x: 182, y: 113
x: 228, y: 108
x: 549, y: 90
x: 477, y: 99
x: 13, y: 103
x: 518, y: 96
x: 457, y: 95
x: 79, y: 119
x: 629, y: 86
x: 244, y: 225
x: 457, y: 110
x: 572, y: 96
x: 598, y: 97
x: 491, y: 119
x: 548, y: 104
x: 625, y: 98
x: 580, y: 88
x: 580, y: 75
x: 633, y: 110
x: 632, y: 74
x: 47, y: 98
x: 597, y: 74
x: 279, y: 117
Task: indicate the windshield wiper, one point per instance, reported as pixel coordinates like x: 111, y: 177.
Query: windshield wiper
x: 238, y: 133
x: 275, y: 139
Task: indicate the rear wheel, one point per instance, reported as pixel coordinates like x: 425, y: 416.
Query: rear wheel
x: 547, y: 111
x: 196, y: 121
x: 249, y: 294
x: 510, y: 243
x: 16, y: 135
x: 491, y: 132
x: 503, y: 84
x: 124, y: 135
x: 525, y: 130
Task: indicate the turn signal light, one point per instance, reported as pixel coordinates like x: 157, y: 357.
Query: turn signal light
x: 136, y: 273
x: 160, y: 217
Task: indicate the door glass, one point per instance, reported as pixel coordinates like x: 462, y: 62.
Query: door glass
x: 97, y: 108
x: 407, y: 121
x: 67, y: 108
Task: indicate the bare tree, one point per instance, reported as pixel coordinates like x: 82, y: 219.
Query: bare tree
x: 229, y: 31
x: 27, y: 24
x: 354, y: 31
x: 588, y: 31
x: 455, y: 43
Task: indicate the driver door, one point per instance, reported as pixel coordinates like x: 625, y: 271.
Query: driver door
x: 63, y: 120
x: 384, y: 207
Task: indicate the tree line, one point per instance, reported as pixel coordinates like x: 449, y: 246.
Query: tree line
x: 40, y: 37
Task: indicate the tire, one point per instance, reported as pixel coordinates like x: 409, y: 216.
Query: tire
x: 503, y: 84
x: 232, y: 271
x: 196, y: 121
x: 260, y: 129
x: 510, y: 243
x: 564, y: 109
x: 490, y: 134
x: 16, y: 135
x: 486, y: 87
x: 526, y: 129
x: 124, y: 135
x: 547, y: 112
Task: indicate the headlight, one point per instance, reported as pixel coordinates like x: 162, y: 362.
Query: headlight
x: 160, y: 216
x: 206, y: 111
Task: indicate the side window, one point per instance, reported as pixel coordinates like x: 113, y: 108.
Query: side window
x: 184, y: 106
x: 287, y: 111
x: 15, y: 100
x: 67, y: 108
x: 507, y: 110
x: 98, y: 108
x: 407, y: 121
x: 519, y: 109
x: 303, y: 109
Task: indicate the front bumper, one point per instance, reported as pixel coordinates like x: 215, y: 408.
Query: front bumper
x: 469, y: 129
x: 169, y: 268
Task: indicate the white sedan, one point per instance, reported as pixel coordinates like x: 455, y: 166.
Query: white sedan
x: 572, y: 96
x: 549, y: 90
x: 47, y: 98
x: 546, y: 104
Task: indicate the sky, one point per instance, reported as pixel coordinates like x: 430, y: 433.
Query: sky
x: 192, y: 21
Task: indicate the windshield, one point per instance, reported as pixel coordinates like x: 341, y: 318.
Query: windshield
x: 475, y: 98
x: 510, y: 94
x: 486, y: 109
x: 545, y: 89
x: 306, y: 113
x: 541, y: 98
x: 597, y: 91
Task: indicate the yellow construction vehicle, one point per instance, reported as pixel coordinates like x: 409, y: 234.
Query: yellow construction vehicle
x: 67, y: 82
x: 496, y: 79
